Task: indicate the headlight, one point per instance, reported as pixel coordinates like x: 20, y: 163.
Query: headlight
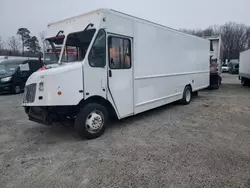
x: 41, y: 86
x: 6, y: 79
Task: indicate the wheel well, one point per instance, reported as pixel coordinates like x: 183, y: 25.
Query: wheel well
x: 102, y: 101
x: 189, y: 85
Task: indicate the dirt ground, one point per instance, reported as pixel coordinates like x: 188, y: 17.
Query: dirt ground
x: 204, y: 144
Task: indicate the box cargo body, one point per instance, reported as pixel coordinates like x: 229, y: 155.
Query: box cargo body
x: 163, y: 62
x: 244, y: 67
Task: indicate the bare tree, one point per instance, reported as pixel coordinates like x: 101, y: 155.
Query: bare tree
x: 1, y: 44
x: 14, y: 44
x: 248, y: 39
x: 234, y: 38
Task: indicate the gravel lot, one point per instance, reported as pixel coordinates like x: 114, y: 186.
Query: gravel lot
x: 204, y: 144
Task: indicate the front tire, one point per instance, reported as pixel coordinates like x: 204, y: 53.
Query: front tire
x: 91, y: 121
x: 187, y: 95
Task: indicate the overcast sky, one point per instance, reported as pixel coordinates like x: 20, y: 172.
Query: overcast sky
x: 36, y: 14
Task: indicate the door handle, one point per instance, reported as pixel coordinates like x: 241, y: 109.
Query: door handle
x: 110, y: 73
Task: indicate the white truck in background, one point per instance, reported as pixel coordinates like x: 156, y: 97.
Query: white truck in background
x: 244, y: 67
x: 124, y: 66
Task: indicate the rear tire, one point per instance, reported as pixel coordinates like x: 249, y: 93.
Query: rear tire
x: 16, y: 89
x: 91, y: 121
x: 244, y: 81
x: 187, y: 95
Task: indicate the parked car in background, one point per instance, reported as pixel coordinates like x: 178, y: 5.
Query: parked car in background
x: 233, y: 66
x: 15, y: 72
x: 225, y: 68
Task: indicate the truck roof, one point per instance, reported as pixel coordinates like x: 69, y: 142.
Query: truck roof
x: 77, y: 16
x: 106, y: 10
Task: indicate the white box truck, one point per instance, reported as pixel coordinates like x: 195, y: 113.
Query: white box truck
x: 244, y: 67
x: 125, y: 65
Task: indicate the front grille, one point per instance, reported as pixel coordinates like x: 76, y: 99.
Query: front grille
x: 29, y: 93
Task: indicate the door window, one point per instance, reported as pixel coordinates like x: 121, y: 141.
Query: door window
x: 97, y: 54
x: 119, y: 53
x: 35, y: 65
x: 25, y: 69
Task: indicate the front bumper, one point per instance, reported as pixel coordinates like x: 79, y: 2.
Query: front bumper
x: 38, y: 115
x: 49, y: 115
x: 5, y: 88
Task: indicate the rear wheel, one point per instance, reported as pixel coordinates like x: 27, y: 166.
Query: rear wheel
x: 244, y: 81
x: 187, y: 95
x: 91, y: 121
x: 16, y: 89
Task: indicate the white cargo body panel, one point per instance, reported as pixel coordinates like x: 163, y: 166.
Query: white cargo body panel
x: 244, y: 66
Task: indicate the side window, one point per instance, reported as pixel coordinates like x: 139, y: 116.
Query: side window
x: 25, y: 68
x: 119, y: 53
x: 35, y: 65
x: 97, y: 54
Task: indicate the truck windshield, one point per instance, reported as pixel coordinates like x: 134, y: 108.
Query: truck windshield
x: 77, y: 44
x: 52, y: 49
x: 51, y: 58
x: 74, y: 50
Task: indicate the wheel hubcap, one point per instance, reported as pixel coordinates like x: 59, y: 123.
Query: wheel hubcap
x: 188, y: 95
x: 94, y: 121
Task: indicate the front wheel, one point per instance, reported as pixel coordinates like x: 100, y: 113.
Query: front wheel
x: 187, y: 95
x: 91, y: 121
